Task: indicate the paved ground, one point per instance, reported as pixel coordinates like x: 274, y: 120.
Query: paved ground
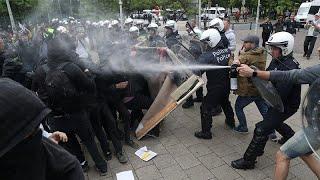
x: 182, y: 156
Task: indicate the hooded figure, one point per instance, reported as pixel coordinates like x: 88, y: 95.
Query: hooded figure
x: 24, y: 153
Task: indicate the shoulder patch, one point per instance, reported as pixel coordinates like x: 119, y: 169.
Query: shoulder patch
x: 296, y: 62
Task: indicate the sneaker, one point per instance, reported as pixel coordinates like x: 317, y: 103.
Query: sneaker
x: 85, y: 166
x: 241, y: 130
x: 308, y: 57
x: 102, y: 171
x: 273, y: 137
x: 304, y: 55
x: 187, y: 105
x: 121, y: 157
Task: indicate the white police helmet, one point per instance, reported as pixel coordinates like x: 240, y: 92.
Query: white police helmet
x: 153, y: 26
x: 282, y: 40
x: 171, y: 24
x: 62, y: 29
x: 115, y: 22
x: 216, y: 23
x: 211, y: 37
x: 128, y: 21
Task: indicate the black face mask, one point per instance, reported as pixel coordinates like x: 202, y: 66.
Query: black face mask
x: 24, y: 161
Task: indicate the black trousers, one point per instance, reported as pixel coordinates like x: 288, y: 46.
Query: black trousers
x: 73, y: 146
x: 95, y: 119
x: 265, y: 37
x: 78, y: 123
x: 309, y: 43
x: 136, y: 106
x: 109, y: 124
x: 215, y: 97
x: 275, y: 120
x: 272, y: 120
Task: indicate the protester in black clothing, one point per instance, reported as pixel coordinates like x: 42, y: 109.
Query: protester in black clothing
x: 267, y: 30
x: 71, y: 111
x: 24, y: 153
x: 291, y: 25
x: 281, y: 48
x: 279, y: 25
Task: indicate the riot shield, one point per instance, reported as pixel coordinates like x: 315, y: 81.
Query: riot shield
x: 311, y: 117
x: 168, y: 91
x: 268, y: 92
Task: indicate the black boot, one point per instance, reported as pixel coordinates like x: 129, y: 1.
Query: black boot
x: 243, y: 164
x: 189, y: 103
x: 206, y: 124
x: 255, y: 149
x: 203, y: 135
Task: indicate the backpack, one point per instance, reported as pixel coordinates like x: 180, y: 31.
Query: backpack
x: 60, y: 89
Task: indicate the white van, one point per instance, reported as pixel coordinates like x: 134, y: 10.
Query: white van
x: 214, y: 12
x: 302, y: 14
x: 314, y: 9
x: 306, y: 11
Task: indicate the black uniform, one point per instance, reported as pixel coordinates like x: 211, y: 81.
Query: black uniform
x: 290, y: 96
x: 218, y: 88
x: 267, y: 30
x: 291, y: 26
x: 172, y: 39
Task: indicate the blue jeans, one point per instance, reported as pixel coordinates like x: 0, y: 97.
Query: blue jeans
x: 243, y: 101
x: 299, y: 145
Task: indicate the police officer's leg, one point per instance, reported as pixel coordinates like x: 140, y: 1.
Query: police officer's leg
x: 209, y: 101
x: 227, y: 109
x: 83, y: 129
x: 255, y: 148
x: 272, y: 120
x: 284, y: 129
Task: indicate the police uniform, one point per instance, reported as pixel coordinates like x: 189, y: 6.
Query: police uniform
x: 274, y: 119
x: 218, y: 88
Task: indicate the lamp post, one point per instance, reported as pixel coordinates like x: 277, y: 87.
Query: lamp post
x: 257, y: 18
x: 121, y: 14
x: 199, y: 12
x: 13, y: 25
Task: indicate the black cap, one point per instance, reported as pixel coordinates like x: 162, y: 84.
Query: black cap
x: 21, y: 113
x: 252, y: 39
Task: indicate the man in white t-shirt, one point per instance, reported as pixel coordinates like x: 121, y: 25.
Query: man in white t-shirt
x: 313, y: 28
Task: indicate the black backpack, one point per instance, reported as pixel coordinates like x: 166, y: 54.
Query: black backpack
x: 60, y: 89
